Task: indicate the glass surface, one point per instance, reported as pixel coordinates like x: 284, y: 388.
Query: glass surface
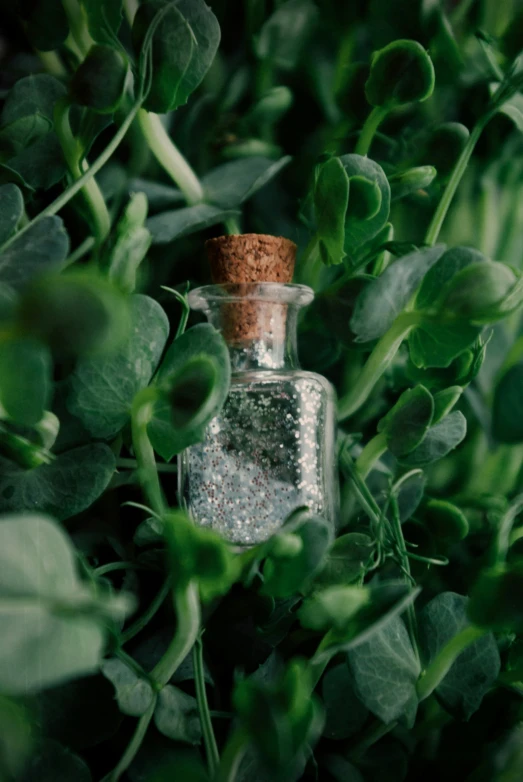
x: 272, y: 448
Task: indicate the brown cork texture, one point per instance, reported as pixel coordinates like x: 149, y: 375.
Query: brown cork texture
x: 240, y: 260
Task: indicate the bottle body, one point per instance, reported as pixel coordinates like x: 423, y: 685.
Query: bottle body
x: 271, y: 450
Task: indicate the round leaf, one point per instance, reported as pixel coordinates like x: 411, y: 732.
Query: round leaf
x: 99, y: 83
x: 400, y: 73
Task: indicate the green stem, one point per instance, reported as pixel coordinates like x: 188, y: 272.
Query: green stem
x: 442, y: 663
x: 52, y: 64
x: 104, y: 569
x: 141, y: 414
x: 211, y: 748
x: 374, y: 449
x: 77, y: 26
x: 374, y: 733
x: 378, y: 361
x: 75, y: 187
x: 80, y: 251
x: 369, y: 129
x: 73, y: 153
x: 133, y: 746
x: 187, y: 609
x: 452, y: 185
x: 232, y: 756
x: 169, y: 157
x: 132, y: 464
x: 502, y: 542
x: 401, y: 550
x: 320, y: 659
x: 232, y: 226
x: 146, y: 617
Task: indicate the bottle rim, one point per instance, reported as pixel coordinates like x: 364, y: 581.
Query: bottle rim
x: 207, y: 296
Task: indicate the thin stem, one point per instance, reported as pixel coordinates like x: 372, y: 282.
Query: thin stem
x: 402, y: 553
x: 80, y: 251
x: 502, y: 543
x: 52, y: 64
x: 75, y: 187
x: 374, y: 449
x: 374, y: 733
x: 73, y: 153
x: 211, y: 748
x: 232, y: 756
x: 146, y: 617
x: 232, y: 226
x: 141, y: 414
x: 187, y: 608
x: 452, y: 185
x: 442, y: 663
x: 378, y: 361
x: 169, y: 157
x: 104, y: 569
x: 134, y: 745
x: 132, y: 464
x: 369, y: 129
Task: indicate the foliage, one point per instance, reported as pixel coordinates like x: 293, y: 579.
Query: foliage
x: 385, y: 139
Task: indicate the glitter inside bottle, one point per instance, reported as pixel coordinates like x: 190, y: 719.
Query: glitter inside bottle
x: 272, y: 447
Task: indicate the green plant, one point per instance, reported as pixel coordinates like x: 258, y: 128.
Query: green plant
x: 136, y: 645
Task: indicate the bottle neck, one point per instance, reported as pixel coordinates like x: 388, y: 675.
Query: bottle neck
x: 266, y: 340
x: 258, y: 321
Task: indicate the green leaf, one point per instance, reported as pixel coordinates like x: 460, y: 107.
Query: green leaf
x: 102, y: 388
x: 202, y: 341
x: 406, y: 424
x: 496, y: 598
x: 35, y: 94
x: 76, y: 313
x: 46, y: 23
x: 50, y: 619
x: 286, y: 32
x: 477, y: 290
x: 513, y: 108
x: 12, y: 210
x: 439, y: 344
x: 183, y: 47
x: 346, y: 559
x: 439, y: 441
x: 24, y: 131
x: 168, y: 226
x: 438, y: 279
x: 357, y: 231
x: 382, y: 301
x: 43, y: 247
x: 231, y: 184
x: 52, y: 761
x: 445, y: 521
x: 345, y: 714
x: 365, y: 198
x: 444, y: 401
x: 103, y: 19
x: 410, y: 494
x: 333, y: 607
x: 177, y: 716
x: 402, y: 72
x: 385, y: 672
x: 507, y: 408
x: 268, y: 111
x: 65, y: 487
x: 442, y: 147
x: 405, y: 183
x: 130, y: 244
x: 25, y: 379
x: 39, y: 166
x: 100, y: 81
x: 477, y: 667
x: 285, y: 575
x: 15, y: 738
x: 133, y: 693
x: 331, y: 197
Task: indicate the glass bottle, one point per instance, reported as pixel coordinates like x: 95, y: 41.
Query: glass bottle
x: 271, y: 449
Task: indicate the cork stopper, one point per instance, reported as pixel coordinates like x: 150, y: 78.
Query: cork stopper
x: 240, y: 261
x: 251, y: 258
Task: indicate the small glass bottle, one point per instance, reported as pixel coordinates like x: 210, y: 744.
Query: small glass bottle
x: 271, y: 449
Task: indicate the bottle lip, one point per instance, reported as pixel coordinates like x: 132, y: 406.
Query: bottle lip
x: 279, y: 293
